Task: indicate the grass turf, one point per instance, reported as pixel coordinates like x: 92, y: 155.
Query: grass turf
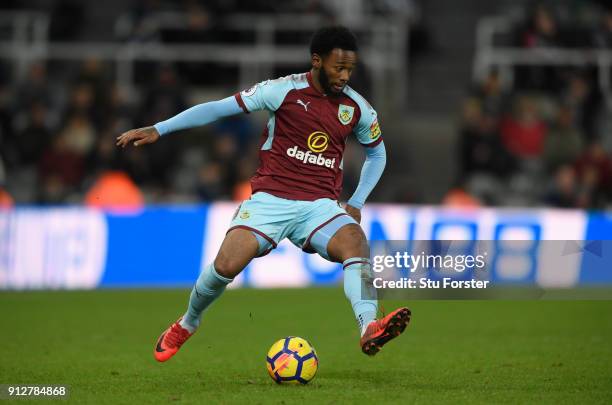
x: 101, y: 342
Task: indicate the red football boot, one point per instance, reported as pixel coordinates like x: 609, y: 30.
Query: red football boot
x: 380, y: 331
x: 171, y: 341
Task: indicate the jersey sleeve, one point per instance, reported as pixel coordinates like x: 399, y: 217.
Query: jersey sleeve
x: 267, y: 95
x: 367, y: 129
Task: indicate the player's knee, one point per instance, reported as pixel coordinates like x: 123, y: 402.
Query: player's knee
x: 227, y: 266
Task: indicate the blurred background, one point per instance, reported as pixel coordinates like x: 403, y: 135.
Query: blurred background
x: 482, y: 103
x: 501, y: 103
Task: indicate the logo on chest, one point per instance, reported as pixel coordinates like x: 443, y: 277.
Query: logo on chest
x: 318, y: 142
x: 303, y: 104
x: 345, y: 114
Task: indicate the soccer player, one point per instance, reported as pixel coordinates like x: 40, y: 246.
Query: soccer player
x: 297, y: 185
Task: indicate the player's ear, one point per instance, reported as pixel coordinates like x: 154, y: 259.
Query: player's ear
x: 316, y: 61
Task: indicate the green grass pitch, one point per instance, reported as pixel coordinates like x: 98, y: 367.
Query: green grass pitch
x: 101, y: 342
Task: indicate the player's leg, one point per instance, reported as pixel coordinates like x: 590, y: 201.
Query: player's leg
x: 256, y: 223
x: 257, y: 227
x: 349, y: 246
x: 239, y: 247
x: 333, y: 234
x: 328, y: 230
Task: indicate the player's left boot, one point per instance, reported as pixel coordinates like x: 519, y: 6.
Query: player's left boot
x: 380, y: 331
x: 171, y: 341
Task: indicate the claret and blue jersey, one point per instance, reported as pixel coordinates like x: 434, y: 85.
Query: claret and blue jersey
x: 303, y: 143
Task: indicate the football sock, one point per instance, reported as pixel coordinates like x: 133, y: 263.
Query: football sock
x: 360, y: 291
x: 209, y: 286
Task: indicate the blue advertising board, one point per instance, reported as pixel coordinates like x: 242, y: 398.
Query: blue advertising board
x: 166, y: 246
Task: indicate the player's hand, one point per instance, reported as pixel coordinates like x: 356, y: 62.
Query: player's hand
x: 353, y: 212
x: 140, y: 136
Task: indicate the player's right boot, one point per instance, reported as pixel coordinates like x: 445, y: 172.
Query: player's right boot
x: 171, y: 341
x: 380, y: 331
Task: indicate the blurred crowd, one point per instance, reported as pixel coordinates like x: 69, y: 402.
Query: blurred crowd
x: 59, y: 120
x: 545, y: 140
x: 58, y: 142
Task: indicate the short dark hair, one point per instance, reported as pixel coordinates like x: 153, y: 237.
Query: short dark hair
x: 328, y: 38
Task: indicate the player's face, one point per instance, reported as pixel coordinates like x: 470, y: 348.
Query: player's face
x: 336, y: 69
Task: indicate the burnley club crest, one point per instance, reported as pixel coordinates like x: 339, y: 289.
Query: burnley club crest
x: 345, y: 113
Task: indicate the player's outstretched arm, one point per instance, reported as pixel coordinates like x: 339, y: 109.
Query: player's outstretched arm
x: 373, y: 167
x: 196, y: 116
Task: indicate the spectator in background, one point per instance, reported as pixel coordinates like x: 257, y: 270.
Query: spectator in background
x: 541, y: 32
x: 94, y: 82
x: 118, y: 109
x: 164, y: 99
x: 104, y: 156
x: 492, y: 96
x: 34, y: 138
x: 61, y: 161
x: 481, y: 148
x: 564, y: 142
x: 578, y: 94
x: 565, y: 191
x: 524, y: 132
x: 82, y: 103
x: 61, y: 170
x: 35, y: 88
x: 78, y: 134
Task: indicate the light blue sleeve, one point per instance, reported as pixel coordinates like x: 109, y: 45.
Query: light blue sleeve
x: 200, y: 114
x: 373, y: 167
x: 267, y: 95
x: 367, y: 129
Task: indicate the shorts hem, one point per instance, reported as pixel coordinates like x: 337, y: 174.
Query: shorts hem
x: 257, y: 231
x: 306, y: 246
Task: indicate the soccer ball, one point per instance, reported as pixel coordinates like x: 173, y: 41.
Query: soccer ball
x: 292, y: 360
